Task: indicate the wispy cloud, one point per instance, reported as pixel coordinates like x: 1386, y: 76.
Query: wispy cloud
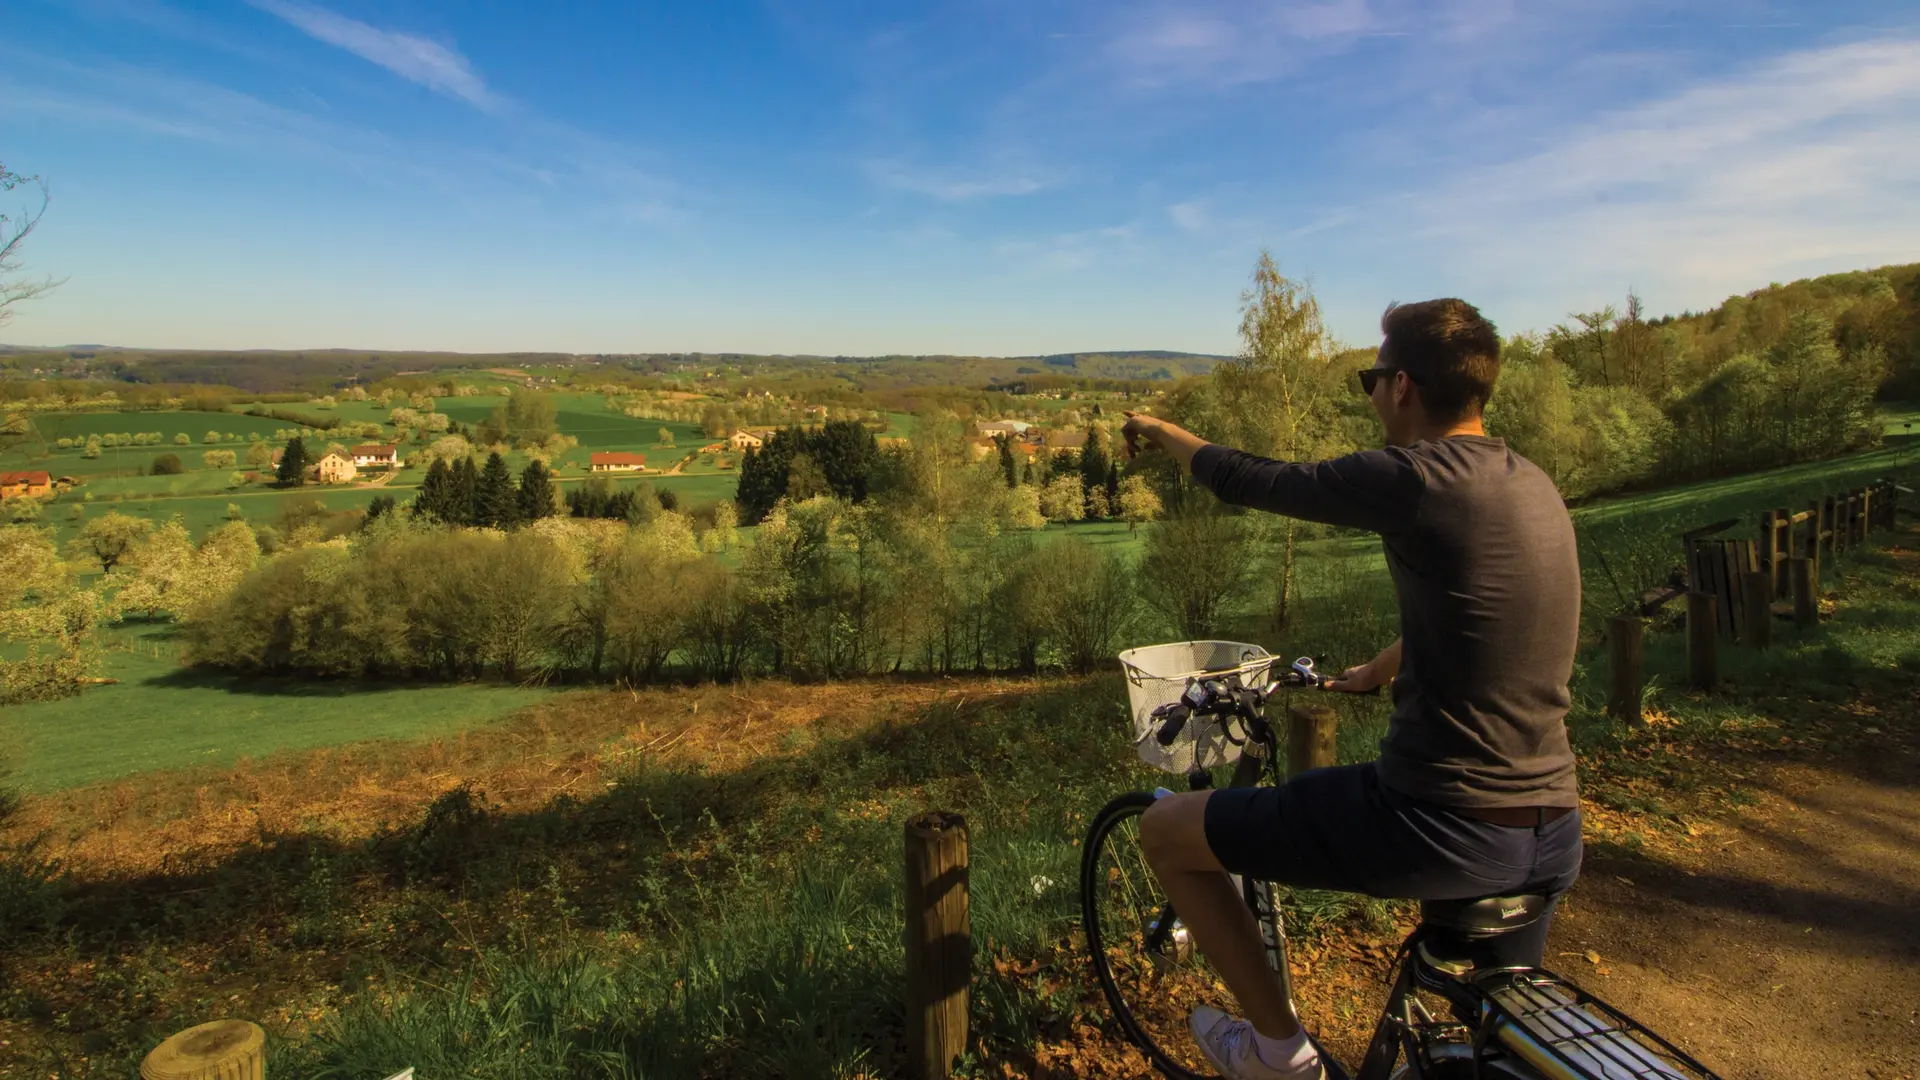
x: 526, y: 160
x: 959, y: 185
x: 429, y: 63
x: 1190, y: 216
x: 1068, y: 251
x: 1805, y: 160
x: 1224, y: 43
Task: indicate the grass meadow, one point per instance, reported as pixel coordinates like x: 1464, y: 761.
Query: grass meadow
x: 160, y: 716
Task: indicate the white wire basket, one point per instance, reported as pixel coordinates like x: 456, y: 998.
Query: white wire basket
x: 1157, y: 675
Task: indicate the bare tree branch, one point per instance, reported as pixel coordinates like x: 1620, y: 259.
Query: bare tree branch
x: 13, y: 233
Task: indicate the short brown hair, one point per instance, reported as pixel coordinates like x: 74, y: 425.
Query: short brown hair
x: 1449, y: 349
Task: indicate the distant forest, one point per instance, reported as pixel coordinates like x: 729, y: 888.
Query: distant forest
x: 1609, y: 369
x: 322, y: 370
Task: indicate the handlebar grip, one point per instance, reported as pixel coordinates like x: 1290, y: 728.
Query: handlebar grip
x: 1176, y: 720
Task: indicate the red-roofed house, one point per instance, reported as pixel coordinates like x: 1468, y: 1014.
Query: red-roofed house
x: 617, y: 461
x: 375, y: 456
x: 25, y: 485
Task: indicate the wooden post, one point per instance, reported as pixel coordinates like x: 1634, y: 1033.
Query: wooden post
x: 1625, y: 654
x: 939, y: 944
x: 1311, y: 731
x: 1866, y: 513
x: 1757, y: 598
x: 1703, y: 643
x: 1810, y: 540
x: 1806, y: 605
x: 1769, y: 532
x: 1829, y: 536
x: 220, y: 1050
x: 1782, y: 548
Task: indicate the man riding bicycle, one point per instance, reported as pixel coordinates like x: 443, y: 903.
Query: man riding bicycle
x: 1473, y: 793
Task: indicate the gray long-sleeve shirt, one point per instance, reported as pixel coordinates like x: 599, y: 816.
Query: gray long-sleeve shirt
x: 1482, y: 555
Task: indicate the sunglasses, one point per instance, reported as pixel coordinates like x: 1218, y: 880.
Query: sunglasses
x: 1369, y: 376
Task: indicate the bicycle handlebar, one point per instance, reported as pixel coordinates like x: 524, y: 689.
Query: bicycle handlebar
x: 1223, y: 696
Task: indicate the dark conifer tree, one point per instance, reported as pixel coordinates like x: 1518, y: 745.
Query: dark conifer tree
x: 494, y: 502
x: 381, y: 506
x: 843, y: 453
x: 435, y: 491
x: 1093, y: 464
x: 536, y: 492
x: 293, y: 464
x: 432, y: 491
x: 461, y: 493
x: 1006, y: 460
x: 1093, y: 458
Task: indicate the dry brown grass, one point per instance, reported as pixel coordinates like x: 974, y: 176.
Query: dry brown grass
x: 176, y: 821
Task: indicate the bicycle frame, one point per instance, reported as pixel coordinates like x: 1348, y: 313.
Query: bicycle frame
x: 1259, y: 752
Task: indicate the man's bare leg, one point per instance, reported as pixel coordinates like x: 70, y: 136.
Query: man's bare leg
x: 1174, y: 836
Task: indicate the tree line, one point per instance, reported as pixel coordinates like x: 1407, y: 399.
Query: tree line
x: 824, y: 589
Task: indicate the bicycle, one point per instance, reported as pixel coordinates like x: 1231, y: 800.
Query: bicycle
x: 1497, y: 1016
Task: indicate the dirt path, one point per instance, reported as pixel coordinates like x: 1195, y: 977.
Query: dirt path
x: 1785, y: 946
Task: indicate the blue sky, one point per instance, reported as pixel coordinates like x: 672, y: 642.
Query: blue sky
x: 991, y: 177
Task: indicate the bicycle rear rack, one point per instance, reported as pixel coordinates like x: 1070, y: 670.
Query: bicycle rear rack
x: 1563, y: 1031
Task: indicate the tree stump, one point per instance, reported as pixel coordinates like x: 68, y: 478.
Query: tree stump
x: 939, y: 944
x: 220, y: 1050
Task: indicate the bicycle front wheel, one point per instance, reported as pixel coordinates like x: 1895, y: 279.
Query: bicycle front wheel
x: 1148, y: 967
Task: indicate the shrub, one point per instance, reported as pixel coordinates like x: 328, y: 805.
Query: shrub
x: 1069, y: 603
x: 1194, y: 566
x: 167, y: 465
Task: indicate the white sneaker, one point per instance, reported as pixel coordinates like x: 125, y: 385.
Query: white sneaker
x: 1229, y: 1045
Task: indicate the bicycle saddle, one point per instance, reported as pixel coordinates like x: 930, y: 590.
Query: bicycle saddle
x: 1487, y: 916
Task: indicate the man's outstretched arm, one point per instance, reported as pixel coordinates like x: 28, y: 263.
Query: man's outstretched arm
x: 1179, y: 443
x: 1377, y: 490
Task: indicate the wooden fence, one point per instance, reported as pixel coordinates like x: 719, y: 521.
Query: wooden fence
x: 1717, y: 566
x: 1737, y: 588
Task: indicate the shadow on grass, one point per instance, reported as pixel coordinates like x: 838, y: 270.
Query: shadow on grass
x: 1802, y: 885
x: 202, y: 678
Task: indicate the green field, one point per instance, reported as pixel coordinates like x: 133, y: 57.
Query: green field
x: 1790, y: 486
x: 162, y: 716
x: 201, y: 496
x: 194, y: 425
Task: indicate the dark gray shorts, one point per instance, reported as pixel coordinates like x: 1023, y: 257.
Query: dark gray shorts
x: 1340, y: 829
